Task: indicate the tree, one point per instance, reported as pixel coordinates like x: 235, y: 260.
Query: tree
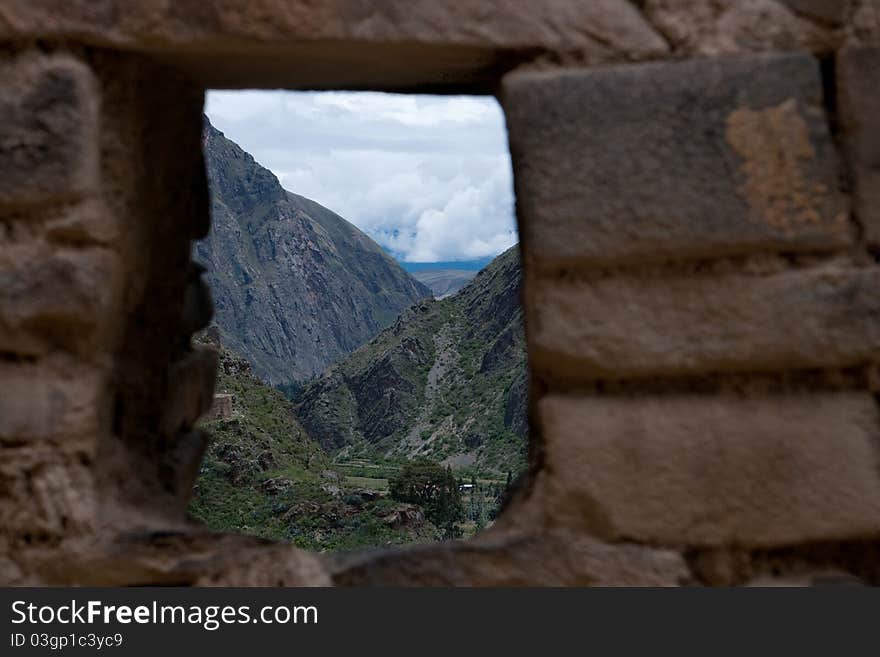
x: 472, y: 500
x: 435, y: 489
x: 480, y: 517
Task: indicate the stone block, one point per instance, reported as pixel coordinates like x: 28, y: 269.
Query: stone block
x: 39, y: 402
x: 48, y: 135
x: 630, y: 327
x: 832, y: 13
x: 697, y: 27
x: 55, y: 299
x: 675, y: 160
x: 44, y: 494
x: 712, y: 471
x: 346, y: 43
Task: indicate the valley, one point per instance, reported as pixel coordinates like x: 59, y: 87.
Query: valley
x: 444, y: 282
x: 264, y: 475
x: 447, y: 381
x: 348, y: 389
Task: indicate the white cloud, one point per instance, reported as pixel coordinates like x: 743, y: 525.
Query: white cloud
x: 428, y: 177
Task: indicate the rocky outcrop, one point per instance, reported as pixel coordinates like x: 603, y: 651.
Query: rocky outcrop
x: 296, y: 287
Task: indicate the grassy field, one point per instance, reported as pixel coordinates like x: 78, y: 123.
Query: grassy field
x: 363, y: 468
x: 370, y: 483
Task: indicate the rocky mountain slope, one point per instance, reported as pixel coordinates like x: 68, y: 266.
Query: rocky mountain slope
x: 446, y: 381
x: 263, y: 475
x: 296, y: 287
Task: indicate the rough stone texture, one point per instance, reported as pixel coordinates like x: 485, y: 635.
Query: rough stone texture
x: 634, y: 327
x: 514, y: 559
x: 714, y: 470
x: 48, y: 136
x: 154, y: 179
x: 698, y: 27
x: 178, y: 556
x: 46, y: 496
x: 654, y: 161
x: 58, y: 403
x: 54, y: 298
x: 98, y: 299
x: 103, y: 188
x: 864, y: 24
x: 190, y: 389
x: 858, y: 80
x: 348, y: 43
x: 833, y: 13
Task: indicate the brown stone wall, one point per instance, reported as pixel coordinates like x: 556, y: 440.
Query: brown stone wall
x: 696, y: 196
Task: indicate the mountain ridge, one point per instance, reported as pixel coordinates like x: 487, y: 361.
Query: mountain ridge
x: 296, y: 286
x: 446, y: 381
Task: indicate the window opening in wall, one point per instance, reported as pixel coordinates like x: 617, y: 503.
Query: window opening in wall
x: 365, y: 275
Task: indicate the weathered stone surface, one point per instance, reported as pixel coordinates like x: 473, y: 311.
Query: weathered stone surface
x: 864, y: 23
x: 552, y: 24
x: 261, y: 565
x: 830, y: 12
x: 41, y: 402
x: 190, y: 389
x: 98, y: 272
x: 84, y: 223
x: 44, y: 493
x: 700, y: 471
x: 516, y: 559
x: 48, y: 136
x: 738, y: 26
x: 673, y: 160
x: 181, y: 463
x: 53, y: 299
x: 858, y: 80
x: 629, y: 327
x: 348, y: 43
x: 175, y: 555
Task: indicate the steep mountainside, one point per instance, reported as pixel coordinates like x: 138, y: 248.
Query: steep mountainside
x: 296, y: 287
x: 263, y: 475
x: 446, y: 381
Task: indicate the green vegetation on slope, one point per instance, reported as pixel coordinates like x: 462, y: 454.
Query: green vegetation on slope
x: 447, y: 381
x: 263, y: 475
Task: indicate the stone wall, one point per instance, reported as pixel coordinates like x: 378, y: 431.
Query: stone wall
x: 697, y: 196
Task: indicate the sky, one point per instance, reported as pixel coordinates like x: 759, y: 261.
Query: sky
x: 428, y: 177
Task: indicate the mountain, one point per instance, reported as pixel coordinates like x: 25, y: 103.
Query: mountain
x: 263, y: 475
x: 463, y: 265
x: 447, y: 381
x: 296, y: 287
x: 444, y: 282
